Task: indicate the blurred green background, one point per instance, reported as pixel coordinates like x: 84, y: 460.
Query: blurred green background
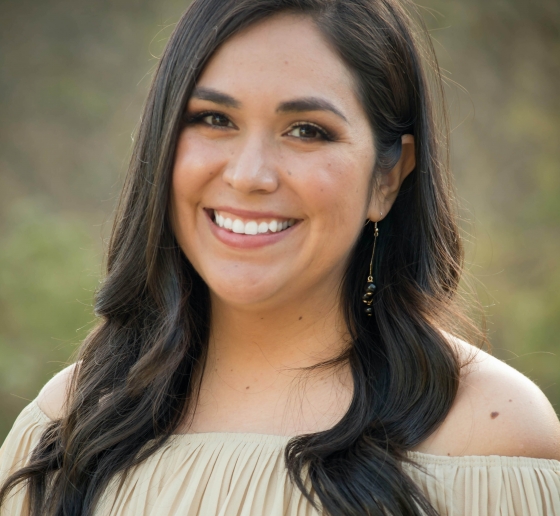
x: 74, y: 74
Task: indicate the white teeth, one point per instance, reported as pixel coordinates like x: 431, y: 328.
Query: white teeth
x: 238, y: 226
x: 251, y: 228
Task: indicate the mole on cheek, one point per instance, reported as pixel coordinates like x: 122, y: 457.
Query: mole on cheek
x: 494, y: 415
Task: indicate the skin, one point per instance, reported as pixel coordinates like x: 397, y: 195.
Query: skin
x: 276, y: 307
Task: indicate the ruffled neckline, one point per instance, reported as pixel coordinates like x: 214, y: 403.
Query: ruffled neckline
x: 280, y: 441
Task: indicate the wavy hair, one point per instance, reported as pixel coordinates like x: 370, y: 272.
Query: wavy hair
x: 136, y: 376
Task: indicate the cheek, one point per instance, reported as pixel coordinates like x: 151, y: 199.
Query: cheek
x: 196, y: 163
x: 335, y: 188
x: 194, y: 168
x: 334, y: 192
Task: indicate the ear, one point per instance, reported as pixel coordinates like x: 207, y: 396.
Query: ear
x: 390, y: 182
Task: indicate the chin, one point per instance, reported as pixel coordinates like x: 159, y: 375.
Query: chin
x: 244, y: 293
x: 246, y: 299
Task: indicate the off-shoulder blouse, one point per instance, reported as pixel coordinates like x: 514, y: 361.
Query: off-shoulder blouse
x: 243, y: 474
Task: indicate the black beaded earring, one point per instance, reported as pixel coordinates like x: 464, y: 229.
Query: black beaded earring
x: 367, y: 298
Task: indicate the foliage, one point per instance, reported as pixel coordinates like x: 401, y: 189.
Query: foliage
x: 49, y: 267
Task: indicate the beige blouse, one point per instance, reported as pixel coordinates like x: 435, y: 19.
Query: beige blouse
x: 243, y: 474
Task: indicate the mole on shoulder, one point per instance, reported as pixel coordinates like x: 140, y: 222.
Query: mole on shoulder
x: 300, y: 317
x: 494, y: 415
x: 247, y: 387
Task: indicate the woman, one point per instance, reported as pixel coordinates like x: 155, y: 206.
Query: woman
x: 277, y: 324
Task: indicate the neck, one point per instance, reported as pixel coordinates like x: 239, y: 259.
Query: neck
x: 252, y: 379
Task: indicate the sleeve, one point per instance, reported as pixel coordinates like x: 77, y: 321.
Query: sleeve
x: 15, y: 451
x: 491, y: 486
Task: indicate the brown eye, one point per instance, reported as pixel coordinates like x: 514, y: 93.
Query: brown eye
x: 217, y: 119
x: 210, y: 118
x: 308, y: 132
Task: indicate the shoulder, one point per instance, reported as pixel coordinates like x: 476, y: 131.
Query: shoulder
x: 497, y: 411
x: 53, y: 395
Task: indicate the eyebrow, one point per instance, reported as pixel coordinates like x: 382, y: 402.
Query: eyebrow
x: 215, y: 96
x: 290, y: 106
x: 309, y: 104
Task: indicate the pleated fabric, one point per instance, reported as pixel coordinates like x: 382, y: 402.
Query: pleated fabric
x: 243, y: 474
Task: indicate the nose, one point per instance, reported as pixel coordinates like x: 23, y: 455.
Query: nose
x: 251, y: 168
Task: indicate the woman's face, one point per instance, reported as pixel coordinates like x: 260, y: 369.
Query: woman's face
x: 272, y: 171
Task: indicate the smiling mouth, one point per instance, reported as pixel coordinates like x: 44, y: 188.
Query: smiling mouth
x: 242, y: 226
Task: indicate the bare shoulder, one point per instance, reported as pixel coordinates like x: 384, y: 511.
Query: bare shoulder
x: 53, y: 395
x: 497, y: 411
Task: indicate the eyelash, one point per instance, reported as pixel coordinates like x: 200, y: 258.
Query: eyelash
x: 325, y: 134
x: 197, y: 118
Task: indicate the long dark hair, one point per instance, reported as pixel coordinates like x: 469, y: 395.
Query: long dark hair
x: 135, y: 379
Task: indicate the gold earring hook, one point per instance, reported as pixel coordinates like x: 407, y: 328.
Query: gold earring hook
x: 375, y: 233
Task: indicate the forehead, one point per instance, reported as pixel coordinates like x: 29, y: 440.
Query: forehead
x: 284, y: 56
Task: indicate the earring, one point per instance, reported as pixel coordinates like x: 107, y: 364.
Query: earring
x: 367, y: 298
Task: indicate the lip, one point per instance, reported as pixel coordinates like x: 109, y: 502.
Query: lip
x: 242, y: 241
